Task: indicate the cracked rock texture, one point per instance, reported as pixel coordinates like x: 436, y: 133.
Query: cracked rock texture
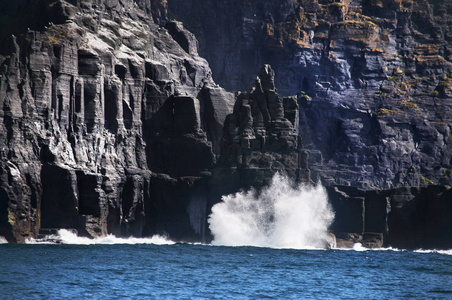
x: 108, y: 122
x: 375, y: 76
x: 260, y: 138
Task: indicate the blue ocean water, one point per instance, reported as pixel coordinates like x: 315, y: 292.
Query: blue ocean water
x: 188, y: 271
x: 259, y: 252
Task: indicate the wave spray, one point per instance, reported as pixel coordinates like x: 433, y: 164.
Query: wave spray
x: 282, y: 215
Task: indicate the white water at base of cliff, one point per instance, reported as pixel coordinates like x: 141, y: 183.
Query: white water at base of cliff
x: 282, y: 215
x: 67, y: 237
x: 445, y: 252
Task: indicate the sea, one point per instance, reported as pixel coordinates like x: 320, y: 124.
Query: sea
x: 159, y: 269
x: 271, y: 244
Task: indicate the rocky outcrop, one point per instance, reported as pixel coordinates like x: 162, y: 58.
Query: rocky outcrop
x: 373, y: 86
x: 108, y: 122
x: 260, y: 138
x: 112, y: 124
x: 374, y: 75
x: 405, y: 218
x: 261, y: 135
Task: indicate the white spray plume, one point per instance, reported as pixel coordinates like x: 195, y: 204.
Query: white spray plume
x: 280, y: 216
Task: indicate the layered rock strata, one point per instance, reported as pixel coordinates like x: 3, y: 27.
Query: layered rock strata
x: 376, y: 75
x: 112, y: 124
x: 108, y: 123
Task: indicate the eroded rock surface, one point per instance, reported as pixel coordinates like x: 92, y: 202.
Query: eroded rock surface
x: 261, y: 135
x: 375, y: 75
x: 108, y: 122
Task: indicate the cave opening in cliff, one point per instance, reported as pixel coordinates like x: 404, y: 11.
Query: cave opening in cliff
x: 59, y: 199
x: 88, y: 196
x: 120, y: 71
x: 111, y: 110
x: 4, y: 225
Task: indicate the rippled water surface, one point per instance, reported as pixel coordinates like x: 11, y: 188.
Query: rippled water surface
x: 185, y: 271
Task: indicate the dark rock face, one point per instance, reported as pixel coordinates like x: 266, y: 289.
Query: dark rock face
x: 406, y: 218
x: 260, y: 138
x: 261, y: 135
x: 108, y: 123
x: 421, y: 218
x: 376, y: 75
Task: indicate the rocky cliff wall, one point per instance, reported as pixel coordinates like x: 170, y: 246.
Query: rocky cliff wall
x: 404, y: 218
x: 108, y: 122
x: 374, y: 77
x: 113, y: 124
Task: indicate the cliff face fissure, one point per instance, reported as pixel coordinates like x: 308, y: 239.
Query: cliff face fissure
x: 376, y: 75
x: 110, y: 121
x: 99, y: 111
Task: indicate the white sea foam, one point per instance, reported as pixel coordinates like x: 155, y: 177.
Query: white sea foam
x: 445, y: 252
x: 3, y: 240
x: 68, y: 237
x: 280, y: 216
x: 359, y: 247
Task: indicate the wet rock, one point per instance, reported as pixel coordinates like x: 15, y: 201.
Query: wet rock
x: 347, y: 240
x: 373, y: 240
x: 406, y: 218
x: 349, y: 211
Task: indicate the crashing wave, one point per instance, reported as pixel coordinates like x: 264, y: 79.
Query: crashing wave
x: 282, y: 215
x: 68, y: 237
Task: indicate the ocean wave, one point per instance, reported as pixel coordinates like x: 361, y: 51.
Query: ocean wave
x: 67, y: 237
x: 445, y: 252
x: 360, y: 248
x: 282, y: 215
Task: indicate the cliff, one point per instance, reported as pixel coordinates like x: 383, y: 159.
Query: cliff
x: 106, y: 121
x: 376, y: 73
x: 111, y: 122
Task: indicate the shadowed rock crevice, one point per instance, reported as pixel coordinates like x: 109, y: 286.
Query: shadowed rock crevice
x: 59, y: 202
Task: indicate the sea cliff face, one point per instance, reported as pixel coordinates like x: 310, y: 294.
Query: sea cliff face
x: 106, y: 121
x: 376, y: 73
x: 111, y: 122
